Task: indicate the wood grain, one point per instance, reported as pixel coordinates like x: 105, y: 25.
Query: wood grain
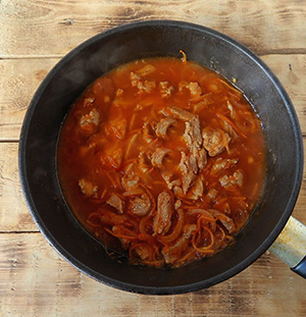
x: 34, y: 282
x: 22, y: 77
x: 36, y: 27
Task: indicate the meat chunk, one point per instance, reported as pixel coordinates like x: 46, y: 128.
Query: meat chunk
x: 162, y: 219
x: 187, y: 181
x: 177, y: 204
x: 222, y: 164
x: 158, y: 156
x: 212, y: 194
x: 144, y: 162
x: 163, y: 125
x: 165, y: 89
x: 146, y: 70
x: 143, y: 86
x: 192, y: 135
x: 227, y: 222
x: 236, y: 179
x: 167, y: 176
x: 90, y: 121
x: 193, y: 87
x: 215, y: 140
x: 177, y: 113
x: 140, y: 205
x: 174, y: 252
x: 117, y: 202
x: 188, y: 169
x: 197, y: 189
x: 87, y: 188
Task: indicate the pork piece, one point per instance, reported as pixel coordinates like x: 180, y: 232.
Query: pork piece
x: 177, y: 204
x: 158, y: 157
x: 130, y: 180
x: 148, y: 133
x: 167, y: 176
x: 197, y: 189
x: 177, y: 113
x: 143, y: 251
x: 212, y: 194
x: 144, y: 162
x: 117, y: 202
x: 140, y: 205
x: 87, y: 188
x: 88, y: 101
x: 163, y: 125
x: 235, y: 179
x: 146, y: 70
x: 142, y: 85
x: 192, y: 135
x: 227, y: 222
x: 174, y: 252
x: 215, y: 140
x: 188, y: 169
x: 165, y: 89
x: 222, y: 164
x: 193, y: 87
x: 162, y: 219
x: 90, y: 121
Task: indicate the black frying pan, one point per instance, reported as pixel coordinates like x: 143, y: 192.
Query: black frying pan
x: 66, y: 81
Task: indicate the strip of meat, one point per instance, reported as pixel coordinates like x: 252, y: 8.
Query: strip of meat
x: 165, y: 89
x: 192, y: 134
x: 117, y: 202
x: 193, y: 87
x: 215, y: 141
x: 197, y: 189
x: 177, y: 113
x: 140, y: 206
x: 163, y: 125
x: 235, y: 179
x: 87, y: 187
x: 225, y: 220
x: 162, y: 219
x: 158, y: 156
x: 222, y: 164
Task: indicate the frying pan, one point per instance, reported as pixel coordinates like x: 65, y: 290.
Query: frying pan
x: 284, y: 155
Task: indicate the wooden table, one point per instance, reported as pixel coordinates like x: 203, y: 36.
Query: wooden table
x: 34, y: 35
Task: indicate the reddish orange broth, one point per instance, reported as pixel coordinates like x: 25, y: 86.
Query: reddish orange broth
x: 113, y: 114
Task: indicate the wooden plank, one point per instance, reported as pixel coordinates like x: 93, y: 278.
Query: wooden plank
x: 23, y: 76
x: 54, y: 27
x: 17, y: 87
x: 14, y: 215
x: 34, y: 281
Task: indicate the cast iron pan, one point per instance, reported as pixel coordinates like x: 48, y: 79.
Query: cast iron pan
x: 66, y: 81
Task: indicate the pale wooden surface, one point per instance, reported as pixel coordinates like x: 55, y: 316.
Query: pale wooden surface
x: 34, y: 34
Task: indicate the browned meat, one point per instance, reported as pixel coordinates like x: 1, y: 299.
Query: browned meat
x: 222, y: 164
x: 146, y: 70
x: 117, y: 202
x: 212, y: 194
x: 167, y: 176
x: 192, y: 134
x: 192, y: 86
x: 215, y: 140
x: 225, y: 220
x: 197, y: 189
x: 144, y: 162
x: 235, y: 179
x: 165, y: 89
x: 88, y: 101
x: 87, y: 188
x: 140, y: 206
x: 177, y: 113
x: 162, y: 219
x: 142, y: 85
x: 173, y: 253
x: 201, y: 157
x: 163, y: 125
x: 177, y: 204
x: 158, y: 156
x: 187, y: 180
x: 89, y: 119
x: 143, y: 251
